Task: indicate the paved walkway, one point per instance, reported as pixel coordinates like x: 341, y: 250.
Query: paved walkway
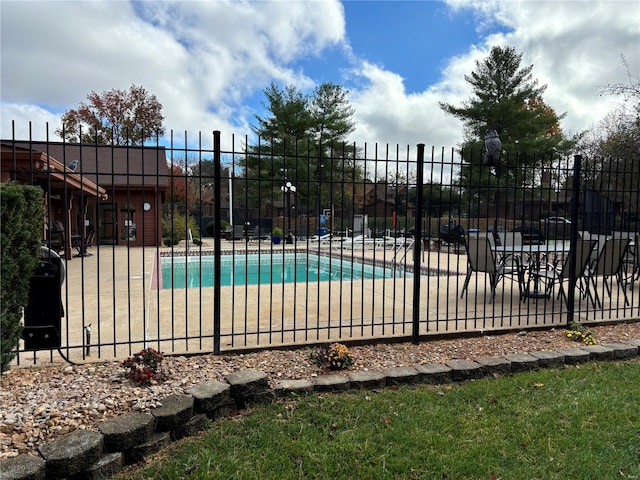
x: 114, y: 293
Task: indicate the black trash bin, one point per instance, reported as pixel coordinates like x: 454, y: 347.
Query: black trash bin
x: 44, y: 312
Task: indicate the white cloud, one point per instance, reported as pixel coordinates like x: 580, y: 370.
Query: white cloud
x: 575, y: 47
x: 204, y: 59
x: 201, y: 59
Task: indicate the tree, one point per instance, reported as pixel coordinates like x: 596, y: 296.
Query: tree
x: 611, y: 150
x: 508, y: 100
x: 181, y: 187
x: 304, y: 141
x: 115, y: 117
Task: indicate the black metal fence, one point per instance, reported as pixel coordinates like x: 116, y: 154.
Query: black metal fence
x: 231, y: 244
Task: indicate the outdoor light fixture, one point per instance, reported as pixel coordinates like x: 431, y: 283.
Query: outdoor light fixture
x: 288, y: 189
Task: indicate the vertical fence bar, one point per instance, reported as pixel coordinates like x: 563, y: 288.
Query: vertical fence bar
x: 216, y: 241
x: 416, y: 245
x: 575, y: 200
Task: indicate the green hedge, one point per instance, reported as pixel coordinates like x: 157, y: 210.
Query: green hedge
x: 21, y: 222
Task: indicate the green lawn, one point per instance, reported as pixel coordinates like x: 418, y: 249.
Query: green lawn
x: 573, y: 423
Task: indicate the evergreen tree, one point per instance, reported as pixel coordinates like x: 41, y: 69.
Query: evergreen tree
x: 508, y: 100
x: 303, y: 141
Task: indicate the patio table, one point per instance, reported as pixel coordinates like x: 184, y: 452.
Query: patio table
x: 535, y: 254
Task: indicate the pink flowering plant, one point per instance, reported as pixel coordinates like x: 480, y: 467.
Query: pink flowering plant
x: 144, y: 366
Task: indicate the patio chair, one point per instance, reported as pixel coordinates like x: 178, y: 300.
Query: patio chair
x: 56, y: 241
x: 607, y: 264
x: 254, y: 236
x: 481, y: 259
x: 560, y: 271
x: 630, y: 269
x: 510, y: 239
x: 82, y: 244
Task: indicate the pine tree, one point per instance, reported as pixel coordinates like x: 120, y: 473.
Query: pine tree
x: 508, y: 100
x: 304, y: 141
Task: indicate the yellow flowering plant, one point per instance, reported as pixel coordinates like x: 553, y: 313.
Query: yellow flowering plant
x: 335, y: 356
x: 578, y: 333
x: 338, y: 356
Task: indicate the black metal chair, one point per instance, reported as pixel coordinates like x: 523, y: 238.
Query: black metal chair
x: 82, y: 243
x: 561, y: 271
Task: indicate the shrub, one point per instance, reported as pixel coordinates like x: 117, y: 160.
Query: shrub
x: 21, y: 221
x: 276, y: 232
x: 174, y: 228
x: 144, y: 366
x: 223, y: 227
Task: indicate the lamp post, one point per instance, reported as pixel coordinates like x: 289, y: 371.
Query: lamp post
x: 288, y: 189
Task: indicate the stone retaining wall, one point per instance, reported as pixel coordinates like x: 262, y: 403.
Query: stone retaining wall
x: 129, y: 438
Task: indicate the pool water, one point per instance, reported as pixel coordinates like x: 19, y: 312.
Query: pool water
x: 193, y: 272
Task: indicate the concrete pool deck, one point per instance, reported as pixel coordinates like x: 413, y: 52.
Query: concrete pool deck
x: 114, y: 291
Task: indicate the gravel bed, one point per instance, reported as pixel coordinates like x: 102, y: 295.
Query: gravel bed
x: 38, y: 404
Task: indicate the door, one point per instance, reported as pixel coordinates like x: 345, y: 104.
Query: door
x: 108, y: 223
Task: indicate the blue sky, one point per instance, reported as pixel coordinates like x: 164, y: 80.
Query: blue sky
x: 209, y: 62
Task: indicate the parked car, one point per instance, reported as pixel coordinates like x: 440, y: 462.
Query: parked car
x: 530, y: 235
x: 557, y: 220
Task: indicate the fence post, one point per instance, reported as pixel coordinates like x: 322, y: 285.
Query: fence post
x: 217, y: 223
x: 417, y: 245
x: 575, y: 201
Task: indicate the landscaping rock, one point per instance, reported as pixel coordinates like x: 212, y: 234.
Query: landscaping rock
x: 22, y: 467
x: 401, y: 375
x: 212, y: 398
x: 126, y: 431
x: 622, y: 351
x: 175, y: 411
x: 573, y: 356
x: 331, y: 383
x: 598, y: 352
x: 435, y: 373
x: 291, y: 387
x: 248, y: 386
x: 157, y: 442
x: 197, y: 423
x: 367, y: 379
x: 495, y: 365
x: 522, y: 362
x: 465, y: 370
x: 72, y: 453
x: 549, y: 359
x: 106, y: 467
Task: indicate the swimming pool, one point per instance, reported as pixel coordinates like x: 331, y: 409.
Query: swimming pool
x: 252, y: 269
